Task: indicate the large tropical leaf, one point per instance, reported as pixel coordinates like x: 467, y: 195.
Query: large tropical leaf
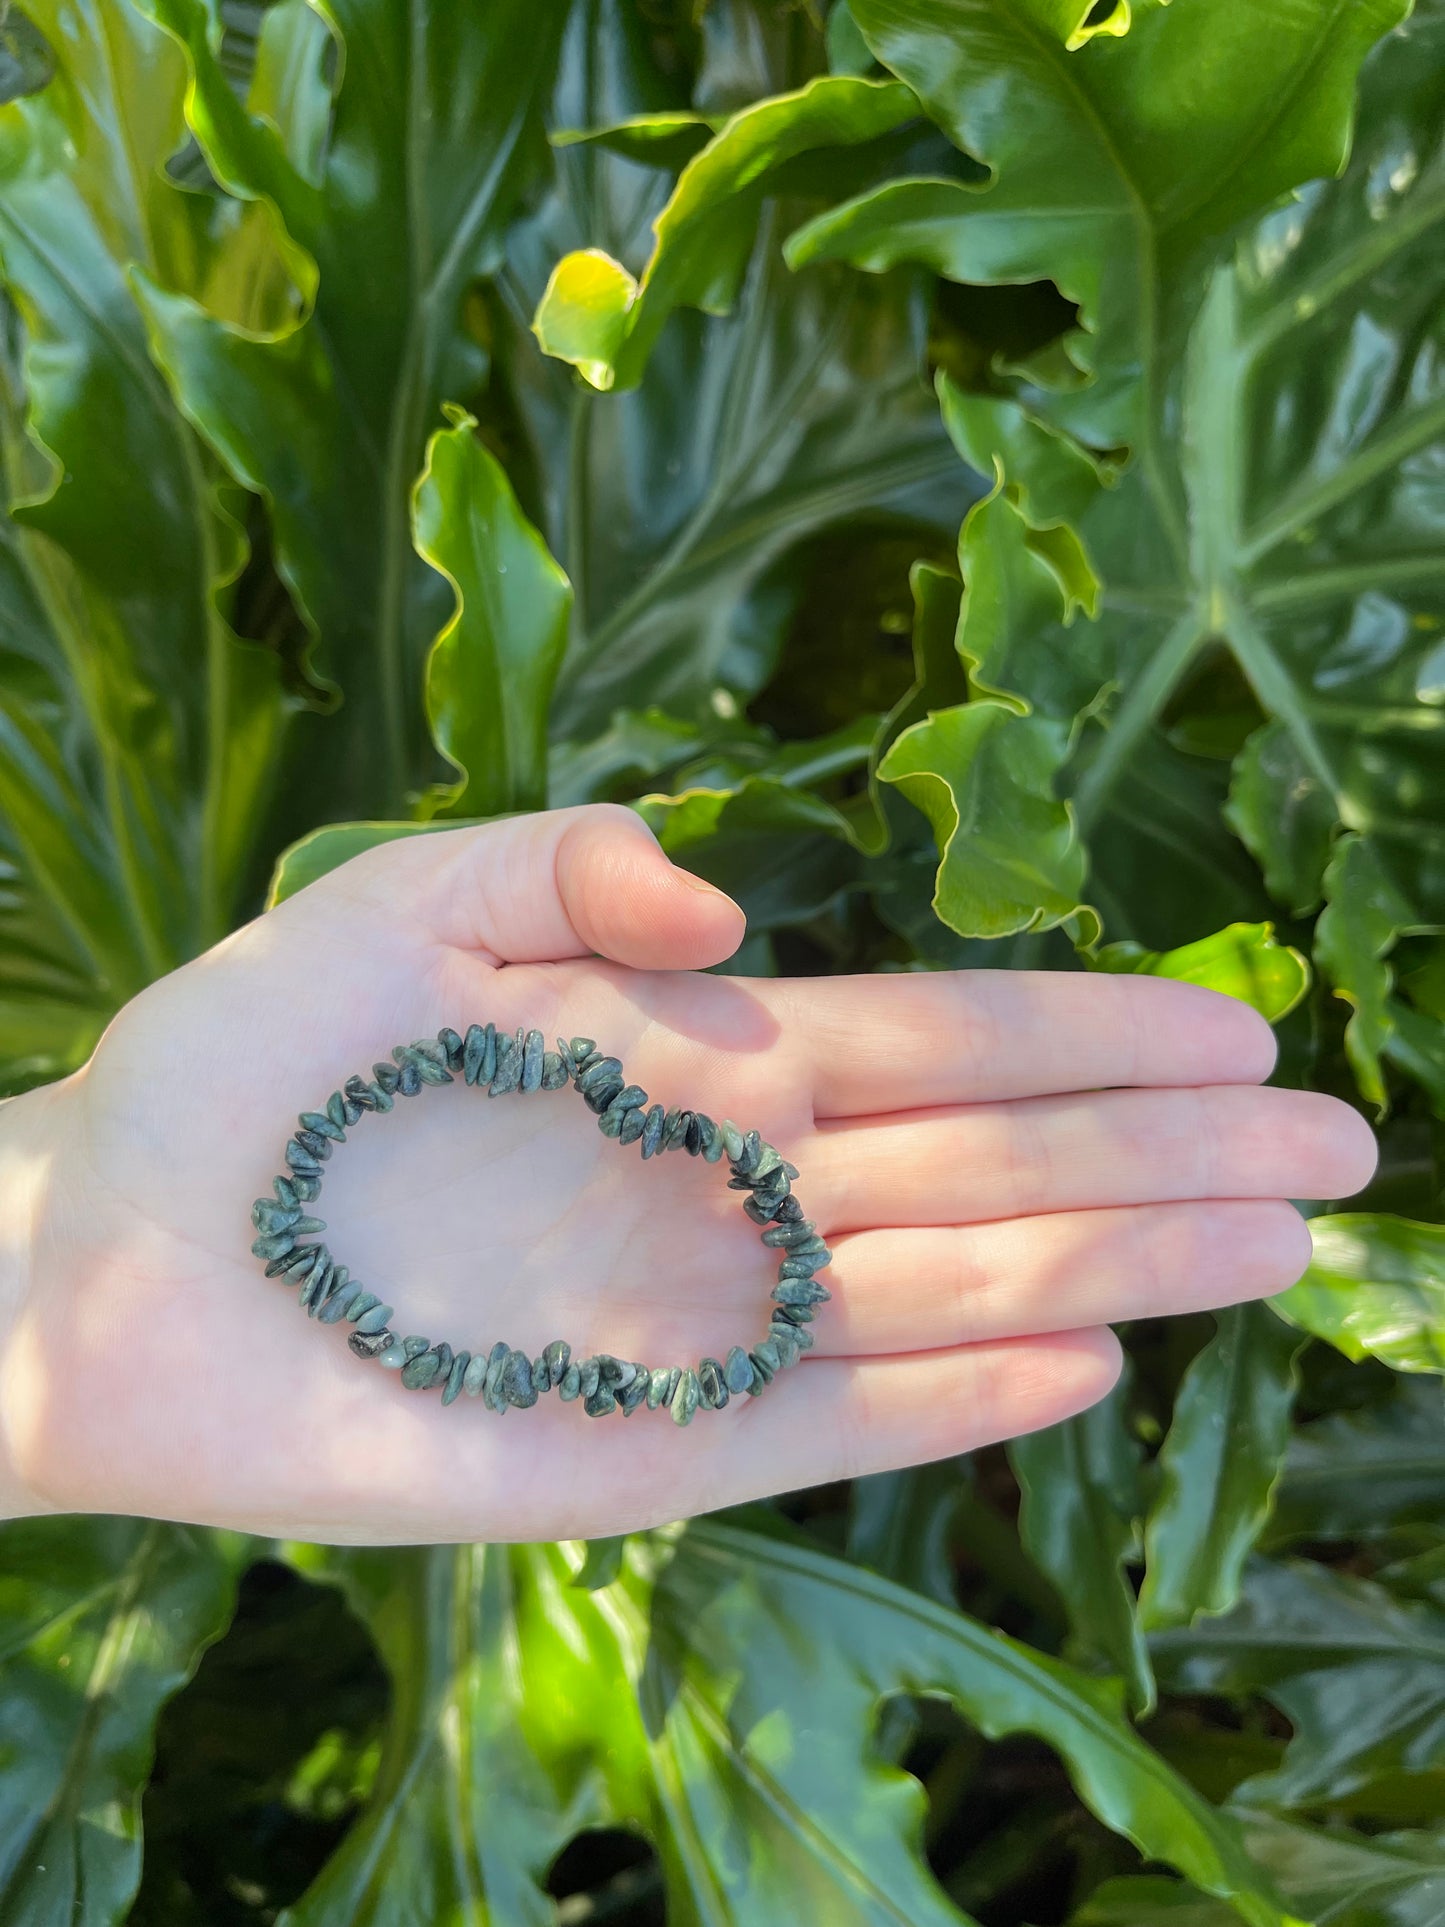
x: 138, y: 736
x: 1335, y: 1877
x: 435, y: 137
x: 1359, y: 1674
x: 739, y: 1744
x: 101, y: 1620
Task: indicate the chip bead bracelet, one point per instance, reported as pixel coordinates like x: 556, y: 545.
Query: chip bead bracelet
x: 500, y: 1062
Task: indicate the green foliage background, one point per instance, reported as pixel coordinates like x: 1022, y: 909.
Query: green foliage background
x: 970, y: 472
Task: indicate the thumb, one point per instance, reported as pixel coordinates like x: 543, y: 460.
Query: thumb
x: 588, y: 880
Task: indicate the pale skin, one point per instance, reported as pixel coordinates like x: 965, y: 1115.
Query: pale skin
x: 1005, y: 1164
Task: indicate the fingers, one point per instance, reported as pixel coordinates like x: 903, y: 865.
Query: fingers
x: 842, y: 1418
x: 1077, y: 1152
x: 953, y: 1285
x: 550, y: 885
x: 895, y: 1042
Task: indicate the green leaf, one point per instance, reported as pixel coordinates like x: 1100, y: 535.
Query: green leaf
x: 1333, y: 1875
x: 1243, y: 961
x: 1079, y: 1522
x: 323, y: 849
x: 596, y: 316
x: 1365, y: 914
x: 1009, y: 854
x: 1375, y: 1288
x: 1173, y: 134
x: 711, y: 1723
x: 101, y: 1620
x: 138, y: 735
x: 436, y: 136
x: 1219, y: 1465
x: 1365, y: 1474
x: 1359, y: 1675
x: 490, y: 672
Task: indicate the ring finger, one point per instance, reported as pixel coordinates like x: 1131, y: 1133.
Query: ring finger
x: 925, y: 1288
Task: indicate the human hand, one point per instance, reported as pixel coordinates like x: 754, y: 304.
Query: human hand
x: 1003, y: 1162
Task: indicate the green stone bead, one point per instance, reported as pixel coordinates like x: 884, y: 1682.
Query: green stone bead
x: 322, y: 1126
x: 633, y: 1125
x: 267, y: 1216
x: 802, y: 1264
x: 784, y: 1341
x: 785, y: 1236
x: 801, y: 1291
x: 393, y: 1358
x: 557, y: 1355
x: 652, y: 1131
x: 732, y: 1140
x: 317, y: 1280
x: 421, y: 1371
x: 591, y: 1376
x: 275, y: 1244
x: 685, y: 1398
x: 300, y: 1159
x: 285, y: 1189
x: 473, y: 1376
x: 338, y: 1305
x: 444, y: 1359
x: 699, y: 1127
x: 737, y: 1370
x: 569, y: 1386
x: 415, y: 1345
x: 336, y: 1282
x: 517, y: 1381
x: 492, y: 1396
x: 306, y: 1186
x: 611, y: 1121
x: 480, y: 1044
x: 382, y: 1100
x: 452, y: 1046
x: 457, y: 1375
x: 314, y: 1142
x: 582, y: 1047
x: 658, y: 1386
x: 509, y: 1068
x: 600, y: 1402
x: 554, y: 1071
x: 531, y: 1072
x: 373, y: 1320
x: 336, y: 1110
x: 632, y: 1396
x: 541, y: 1380
x: 674, y: 1129
x: 712, y: 1148
x: 711, y: 1391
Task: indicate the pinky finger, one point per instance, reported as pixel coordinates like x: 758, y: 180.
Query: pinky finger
x: 842, y: 1418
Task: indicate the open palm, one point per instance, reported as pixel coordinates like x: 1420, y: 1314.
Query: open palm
x: 1002, y: 1162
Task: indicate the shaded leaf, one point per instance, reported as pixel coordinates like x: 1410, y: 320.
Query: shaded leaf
x: 1360, y: 1475
x: 1334, y: 1876
x: 101, y: 1620
x: 1079, y: 1522
x: 1359, y: 1675
x: 1219, y: 1464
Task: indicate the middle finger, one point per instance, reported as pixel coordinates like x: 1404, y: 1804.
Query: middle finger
x: 963, y: 1164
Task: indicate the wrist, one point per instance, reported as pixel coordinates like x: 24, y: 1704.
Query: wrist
x: 28, y: 1159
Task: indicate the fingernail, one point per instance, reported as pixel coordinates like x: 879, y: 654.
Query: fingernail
x: 704, y: 888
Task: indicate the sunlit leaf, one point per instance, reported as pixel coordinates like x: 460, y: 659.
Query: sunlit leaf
x: 1376, y: 1288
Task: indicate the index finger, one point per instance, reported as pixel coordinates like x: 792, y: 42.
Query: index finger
x: 897, y: 1042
